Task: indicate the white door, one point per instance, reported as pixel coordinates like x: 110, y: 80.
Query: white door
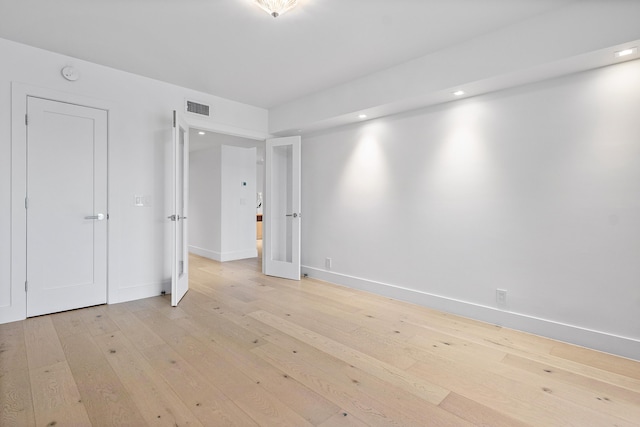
x: 281, y: 221
x: 180, y: 269
x: 66, y: 205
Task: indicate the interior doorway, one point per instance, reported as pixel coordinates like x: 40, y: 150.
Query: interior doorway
x: 227, y: 183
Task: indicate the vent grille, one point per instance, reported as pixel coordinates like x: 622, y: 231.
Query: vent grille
x: 194, y: 107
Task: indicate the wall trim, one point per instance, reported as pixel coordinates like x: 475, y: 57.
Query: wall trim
x: 143, y: 291
x: 235, y: 255
x: 224, y: 256
x: 216, y: 256
x: 204, y: 124
x: 597, y: 340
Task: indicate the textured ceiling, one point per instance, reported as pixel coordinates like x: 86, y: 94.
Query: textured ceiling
x: 233, y: 49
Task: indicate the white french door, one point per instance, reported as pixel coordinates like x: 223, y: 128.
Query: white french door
x: 66, y: 206
x: 281, y: 222
x: 180, y: 194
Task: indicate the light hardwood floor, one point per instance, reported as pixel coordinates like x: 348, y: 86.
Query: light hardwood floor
x: 244, y: 349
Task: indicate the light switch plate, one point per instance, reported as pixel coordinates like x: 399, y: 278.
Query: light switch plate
x: 141, y: 201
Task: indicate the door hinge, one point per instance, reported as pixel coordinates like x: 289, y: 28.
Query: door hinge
x: 26, y: 203
x: 174, y: 118
x: 26, y: 120
x: 26, y: 286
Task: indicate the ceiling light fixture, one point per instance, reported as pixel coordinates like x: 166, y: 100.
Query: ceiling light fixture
x: 200, y: 133
x: 362, y: 116
x: 625, y: 52
x: 458, y: 93
x: 276, y: 8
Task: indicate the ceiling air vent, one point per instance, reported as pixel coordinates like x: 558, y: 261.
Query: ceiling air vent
x: 194, y: 107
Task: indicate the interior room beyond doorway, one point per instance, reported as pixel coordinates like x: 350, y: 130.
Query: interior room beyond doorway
x: 226, y: 176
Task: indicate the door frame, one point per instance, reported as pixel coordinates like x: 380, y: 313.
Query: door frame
x: 198, y: 123
x: 17, y: 307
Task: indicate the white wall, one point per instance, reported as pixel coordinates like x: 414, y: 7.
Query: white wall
x: 535, y: 190
x: 140, y: 128
x: 238, y: 203
x: 205, y: 214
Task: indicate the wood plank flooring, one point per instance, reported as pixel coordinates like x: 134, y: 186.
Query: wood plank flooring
x: 243, y: 349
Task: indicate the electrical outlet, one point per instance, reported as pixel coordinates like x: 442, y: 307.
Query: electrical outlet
x: 327, y: 263
x: 501, y: 297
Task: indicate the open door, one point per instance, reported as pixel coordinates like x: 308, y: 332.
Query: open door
x: 180, y: 194
x: 281, y: 221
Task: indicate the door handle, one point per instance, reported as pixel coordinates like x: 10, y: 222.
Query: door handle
x: 172, y: 217
x: 99, y: 217
x: 295, y: 215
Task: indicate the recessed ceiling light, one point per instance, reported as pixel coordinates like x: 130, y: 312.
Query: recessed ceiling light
x: 458, y: 93
x: 626, y: 52
x: 362, y: 116
x: 200, y: 133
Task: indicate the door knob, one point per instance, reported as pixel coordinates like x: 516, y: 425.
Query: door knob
x: 99, y: 217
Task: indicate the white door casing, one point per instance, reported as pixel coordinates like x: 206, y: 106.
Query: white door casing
x: 179, y: 199
x: 282, y: 216
x: 66, y: 201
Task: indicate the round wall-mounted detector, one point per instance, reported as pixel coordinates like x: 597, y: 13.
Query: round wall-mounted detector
x: 70, y: 74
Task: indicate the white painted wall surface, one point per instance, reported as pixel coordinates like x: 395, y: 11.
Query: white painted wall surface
x: 205, y: 212
x: 238, y: 203
x: 535, y: 190
x: 140, y: 128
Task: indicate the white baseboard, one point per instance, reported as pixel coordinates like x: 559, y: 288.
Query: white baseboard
x: 216, y: 256
x: 115, y: 296
x: 142, y: 291
x: 224, y: 256
x: 598, y: 340
x: 232, y: 256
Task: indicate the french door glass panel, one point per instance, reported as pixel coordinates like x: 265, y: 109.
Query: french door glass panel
x: 181, y: 208
x: 282, y: 208
x: 283, y: 222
